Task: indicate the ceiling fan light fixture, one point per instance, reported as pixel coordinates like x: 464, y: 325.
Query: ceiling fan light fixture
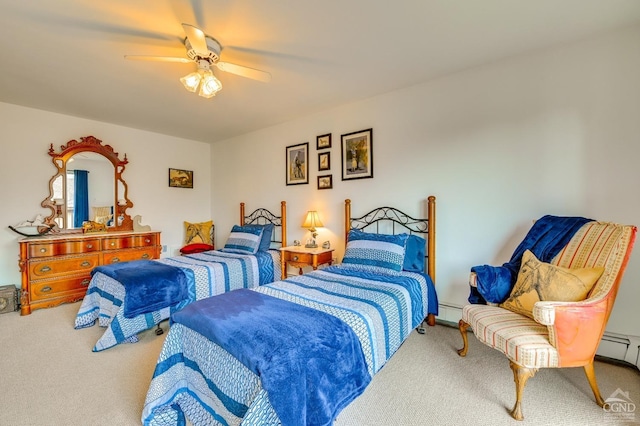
x: 191, y: 81
x: 210, y: 85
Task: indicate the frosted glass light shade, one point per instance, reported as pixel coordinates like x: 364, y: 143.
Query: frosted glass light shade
x: 210, y: 85
x: 191, y: 81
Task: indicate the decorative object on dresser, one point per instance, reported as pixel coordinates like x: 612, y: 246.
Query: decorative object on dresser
x: 57, y: 268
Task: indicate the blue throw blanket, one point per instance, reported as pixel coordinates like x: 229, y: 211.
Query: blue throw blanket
x: 149, y: 285
x: 545, y: 239
x: 310, y: 363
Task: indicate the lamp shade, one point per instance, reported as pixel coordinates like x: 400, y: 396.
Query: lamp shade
x: 312, y: 221
x: 210, y: 85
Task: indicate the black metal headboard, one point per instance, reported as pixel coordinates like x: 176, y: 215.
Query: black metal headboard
x: 394, y: 221
x: 262, y: 216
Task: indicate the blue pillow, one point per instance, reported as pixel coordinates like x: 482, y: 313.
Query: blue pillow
x: 414, y: 254
x: 244, y: 240
x: 267, y: 231
x: 375, y: 252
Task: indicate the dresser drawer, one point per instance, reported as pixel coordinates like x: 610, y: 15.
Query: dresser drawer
x: 128, y: 255
x: 47, y: 249
x: 54, y: 288
x: 57, y: 266
x: 132, y: 241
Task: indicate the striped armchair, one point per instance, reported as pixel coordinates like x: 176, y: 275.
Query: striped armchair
x: 561, y: 334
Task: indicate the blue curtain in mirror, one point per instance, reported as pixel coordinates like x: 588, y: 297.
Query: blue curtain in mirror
x: 81, y: 201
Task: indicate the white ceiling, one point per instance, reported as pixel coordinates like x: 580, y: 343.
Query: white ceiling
x: 67, y: 56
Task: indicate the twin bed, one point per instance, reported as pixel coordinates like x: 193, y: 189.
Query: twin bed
x: 205, y: 274
x: 297, y: 351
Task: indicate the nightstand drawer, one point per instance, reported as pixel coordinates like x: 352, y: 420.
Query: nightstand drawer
x: 298, y: 257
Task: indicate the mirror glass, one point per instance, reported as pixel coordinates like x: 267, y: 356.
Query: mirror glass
x: 100, y: 190
x: 88, y: 186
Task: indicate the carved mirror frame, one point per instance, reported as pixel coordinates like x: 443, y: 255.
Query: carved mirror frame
x: 60, y: 159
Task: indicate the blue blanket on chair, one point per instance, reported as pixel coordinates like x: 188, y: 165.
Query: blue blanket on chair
x: 545, y: 239
x: 310, y: 363
x: 149, y: 285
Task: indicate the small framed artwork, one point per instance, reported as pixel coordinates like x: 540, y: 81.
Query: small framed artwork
x: 179, y: 178
x: 297, y: 164
x: 357, y: 155
x: 323, y: 141
x: 324, y: 161
x: 325, y: 182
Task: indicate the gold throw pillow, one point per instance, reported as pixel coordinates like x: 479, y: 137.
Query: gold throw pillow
x: 197, y: 233
x: 540, y: 281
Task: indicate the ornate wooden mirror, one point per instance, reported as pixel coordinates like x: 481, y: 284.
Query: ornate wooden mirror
x: 88, y: 185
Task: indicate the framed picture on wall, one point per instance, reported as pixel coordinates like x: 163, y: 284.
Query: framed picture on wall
x: 357, y: 155
x: 298, y: 164
x: 323, y: 141
x: 324, y: 161
x: 179, y: 178
x: 325, y: 182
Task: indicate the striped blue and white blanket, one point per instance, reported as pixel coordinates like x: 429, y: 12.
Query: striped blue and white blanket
x: 199, y: 380
x: 214, y: 272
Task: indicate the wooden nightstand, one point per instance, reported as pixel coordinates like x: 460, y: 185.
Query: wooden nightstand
x: 300, y: 256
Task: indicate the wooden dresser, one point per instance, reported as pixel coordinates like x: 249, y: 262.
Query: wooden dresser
x: 56, y: 269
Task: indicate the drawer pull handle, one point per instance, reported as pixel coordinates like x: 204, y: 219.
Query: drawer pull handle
x: 46, y: 289
x: 113, y: 243
x: 115, y: 260
x: 85, y: 264
x: 145, y: 256
x: 89, y: 245
x: 45, y: 269
x: 295, y: 258
x: 85, y: 282
x: 147, y: 241
x: 43, y: 250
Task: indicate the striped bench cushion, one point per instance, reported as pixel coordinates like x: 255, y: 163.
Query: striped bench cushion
x: 521, y: 339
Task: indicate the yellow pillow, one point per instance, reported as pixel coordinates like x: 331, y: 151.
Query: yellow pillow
x: 198, y: 233
x: 539, y: 281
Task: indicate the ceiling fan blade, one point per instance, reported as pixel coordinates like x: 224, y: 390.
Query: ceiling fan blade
x: 197, y: 40
x: 158, y: 58
x: 243, y: 71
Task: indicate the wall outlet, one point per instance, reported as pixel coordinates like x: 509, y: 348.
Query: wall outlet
x: 164, y: 248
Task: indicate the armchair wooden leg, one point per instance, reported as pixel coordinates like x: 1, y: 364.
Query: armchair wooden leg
x: 462, y: 326
x: 520, y: 376
x: 591, y: 377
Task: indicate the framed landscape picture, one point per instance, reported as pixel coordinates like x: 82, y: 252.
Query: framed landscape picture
x: 357, y: 155
x: 298, y: 164
x: 179, y: 178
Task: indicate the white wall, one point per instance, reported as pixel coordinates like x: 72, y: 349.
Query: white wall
x: 26, y: 135
x: 549, y: 132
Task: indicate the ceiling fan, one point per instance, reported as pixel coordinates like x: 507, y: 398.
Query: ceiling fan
x: 205, y: 52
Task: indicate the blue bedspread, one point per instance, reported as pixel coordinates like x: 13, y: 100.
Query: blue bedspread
x: 545, y: 239
x: 310, y: 363
x: 149, y: 285
x: 214, y: 272
x: 196, y: 378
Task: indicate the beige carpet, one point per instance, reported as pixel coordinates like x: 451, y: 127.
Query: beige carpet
x: 49, y: 376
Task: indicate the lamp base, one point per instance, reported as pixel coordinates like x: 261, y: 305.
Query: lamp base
x: 311, y: 245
